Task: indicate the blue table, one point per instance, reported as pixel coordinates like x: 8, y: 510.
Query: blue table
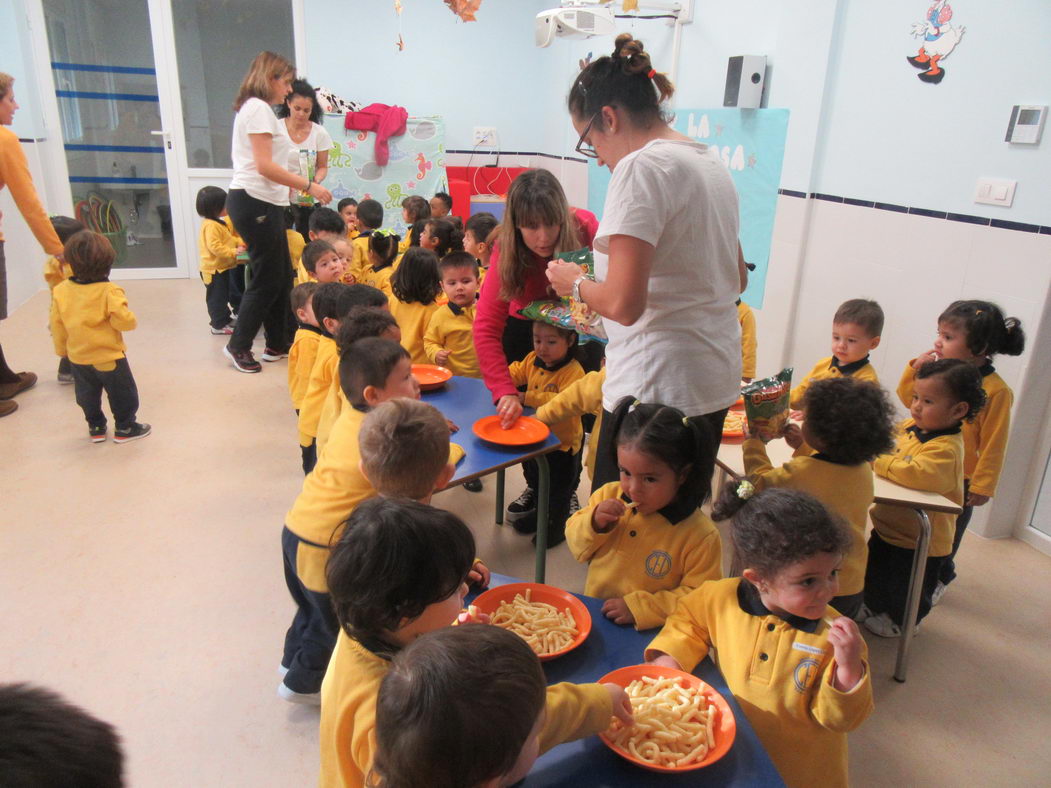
x: 464, y: 401
x: 589, y: 762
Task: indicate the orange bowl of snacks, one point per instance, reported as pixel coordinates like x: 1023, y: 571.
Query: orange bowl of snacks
x: 735, y: 424
x: 431, y: 376
x: 552, y: 621
x: 664, y: 697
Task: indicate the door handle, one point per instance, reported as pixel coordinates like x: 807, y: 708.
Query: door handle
x: 165, y: 136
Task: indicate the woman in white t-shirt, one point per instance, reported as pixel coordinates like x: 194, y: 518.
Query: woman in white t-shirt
x: 667, y: 261
x: 256, y: 204
x: 301, y: 115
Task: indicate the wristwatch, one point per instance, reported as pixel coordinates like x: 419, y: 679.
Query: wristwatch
x: 576, y: 288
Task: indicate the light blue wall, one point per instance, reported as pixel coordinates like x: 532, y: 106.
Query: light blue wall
x: 14, y: 49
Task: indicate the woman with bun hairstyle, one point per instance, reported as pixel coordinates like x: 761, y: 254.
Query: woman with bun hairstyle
x: 668, y: 266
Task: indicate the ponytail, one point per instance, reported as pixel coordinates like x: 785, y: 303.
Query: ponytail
x: 450, y: 239
x: 989, y: 333
x: 385, y: 245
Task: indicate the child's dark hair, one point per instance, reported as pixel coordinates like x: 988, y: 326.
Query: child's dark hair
x: 457, y: 260
x: 210, y: 202
x: 303, y: 89
x: 621, y: 80
x: 385, y: 247
x: 456, y: 708
x: 456, y: 222
x: 325, y: 220
x: 449, y: 238
x: 665, y: 433
x: 445, y: 198
x: 417, y: 230
x: 332, y: 301
x: 344, y: 203
x: 90, y: 255
x: 416, y: 279
x: 568, y: 334
x: 863, y: 312
x: 301, y: 295
x: 367, y: 362
x: 395, y: 558
x: 417, y: 208
x: 963, y: 380
x: 66, y: 226
x: 314, y: 251
x: 481, y: 225
x: 852, y: 420
x: 989, y: 333
x: 778, y: 527
x: 370, y: 214
x: 361, y: 322
x: 47, y: 741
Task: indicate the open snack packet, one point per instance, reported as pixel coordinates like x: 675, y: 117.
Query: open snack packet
x: 558, y: 314
x: 588, y: 321
x: 766, y: 404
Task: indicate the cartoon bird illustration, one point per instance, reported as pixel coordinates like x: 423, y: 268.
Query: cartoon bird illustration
x: 939, y: 40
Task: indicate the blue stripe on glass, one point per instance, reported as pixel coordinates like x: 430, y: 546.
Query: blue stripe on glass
x: 101, y: 179
x: 103, y: 69
x: 88, y: 94
x: 117, y: 148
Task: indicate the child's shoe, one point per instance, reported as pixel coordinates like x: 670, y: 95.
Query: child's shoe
x: 243, y: 360
x: 938, y: 593
x: 574, y: 503
x: 521, y: 506
x: 882, y: 626
x: 132, y: 433
x: 226, y: 330
x: 556, y: 533
x: 475, y: 485
x: 65, y: 378
x: 269, y: 354
x: 862, y: 614
x: 305, y: 698
x: 97, y: 434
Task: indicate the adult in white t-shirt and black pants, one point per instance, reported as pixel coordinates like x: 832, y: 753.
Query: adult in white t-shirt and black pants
x: 256, y: 203
x: 668, y: 267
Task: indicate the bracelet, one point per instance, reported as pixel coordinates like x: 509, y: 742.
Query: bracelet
x: 576, y: 288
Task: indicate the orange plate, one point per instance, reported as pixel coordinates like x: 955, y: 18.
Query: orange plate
x: 489, y: 601
x: 524, y: 431
x: 430, y: 376
x: 739, y: 405
x: 725, y: 726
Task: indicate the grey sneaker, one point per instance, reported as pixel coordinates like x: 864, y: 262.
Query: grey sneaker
x: 303, y: 698
x: 523, y: 505
x: 132, y: 433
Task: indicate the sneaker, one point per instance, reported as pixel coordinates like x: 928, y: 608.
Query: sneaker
x: 132, y: 433
x: 522, y: 505
x: 65, y: 378
x: 243, y: 360
x: 862, y: 614
x: 475, y: 485
x: 574, y: 503
x: 97, y: 434
x: 556, y: 535
x: 226, y: 330
x: 282, y: 671
x: 938, y: 593
x: 269, y: 354
x: 882, y: 626
x: 304, y: 698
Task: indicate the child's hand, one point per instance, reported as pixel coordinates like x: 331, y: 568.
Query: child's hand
x: 793, y: 435
x: 846, y: 642
x: 453, y: 426
x: 758, y: 434
x: 473, y: 615
x: 607, y: 514
x: 621, y: 703
x: 241, y: 248
x: 924, y: 358
x: 441, y: 358
x: 666, y: 660
x: 479, y: 575
x: 976, y: 499
x: 616, y: 610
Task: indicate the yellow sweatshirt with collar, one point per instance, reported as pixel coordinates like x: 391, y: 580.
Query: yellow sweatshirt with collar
x: 217, y: 249
x: 333, y: 405
x: 326, y: 362
x: 846, y: 490
x: 746, y: 318
x: 921, y: 461
x: 358, y: 264
x: 985, y: 438
x: 56, y: 272
x: 379, y: 279
x: 451, y: 328
x: 543, y: 385
x: 296, y: 245
x: 87, y: 321
x: 301, y: 358
x: 830, y: 368
x: 781, y: 673
x: 581, y: 397
x: 413, y: 319
x: 648, y: 560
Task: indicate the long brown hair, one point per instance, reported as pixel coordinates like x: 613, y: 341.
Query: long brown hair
x: 256, y: 84
x: 624, y: 79
x: 535, y: 198
x: 6, y: 81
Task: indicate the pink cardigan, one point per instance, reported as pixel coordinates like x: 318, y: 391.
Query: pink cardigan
x: 493, y: 311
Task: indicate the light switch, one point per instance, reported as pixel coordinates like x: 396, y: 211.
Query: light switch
x: 995, y: 191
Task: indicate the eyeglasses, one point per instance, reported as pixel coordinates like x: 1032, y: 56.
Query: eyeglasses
x: 589, y: 151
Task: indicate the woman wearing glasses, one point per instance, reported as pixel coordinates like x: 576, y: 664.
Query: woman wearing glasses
x: 667, y: 260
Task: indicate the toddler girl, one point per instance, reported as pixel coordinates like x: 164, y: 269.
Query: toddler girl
x: 800, y: 674
x: 442, y: 237
x: 645, y: 539
x: 413, y: 209
x: 218, y: 249
x: 383, y: 250
x: 414, y: 291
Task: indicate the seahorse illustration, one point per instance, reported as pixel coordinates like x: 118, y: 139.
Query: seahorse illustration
x: 423, y: 166
x: 396, y: 195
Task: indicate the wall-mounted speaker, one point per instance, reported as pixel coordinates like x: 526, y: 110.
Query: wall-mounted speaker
x: 745, y: 78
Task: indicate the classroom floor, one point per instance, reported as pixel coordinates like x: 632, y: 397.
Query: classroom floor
x: 144, y: 581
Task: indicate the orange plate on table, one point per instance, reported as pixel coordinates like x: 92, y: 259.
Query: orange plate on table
x: 524, y: 431
x: 734, y: 417
x: 725, y: 726
x: 490, y: 600
x: 430, y: 376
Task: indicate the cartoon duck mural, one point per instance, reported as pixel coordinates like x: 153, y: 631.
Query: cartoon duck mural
x: 939, y: 40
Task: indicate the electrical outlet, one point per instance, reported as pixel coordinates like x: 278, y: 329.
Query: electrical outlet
x: 485, y: 136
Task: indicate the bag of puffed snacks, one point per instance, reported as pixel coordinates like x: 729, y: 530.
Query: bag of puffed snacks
x: 766, y: 403
x: 588, y: 321
x: 557, y: 314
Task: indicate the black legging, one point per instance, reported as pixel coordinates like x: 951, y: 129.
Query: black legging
x: 265, y: 302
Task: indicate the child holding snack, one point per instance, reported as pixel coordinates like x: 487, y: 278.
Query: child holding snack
x: 800, y: 673
x: 856, y: 329
x: 415, y: 287
x: 370, y: 219
x: 929, y: 456
x: 449, y: 340
x: 413, y: 209
x: 383, y: 250
x: 975, y: 332
x: 56, y: 271
x: 441, y: 237
x: 218, y: 250
x: 645, y: 539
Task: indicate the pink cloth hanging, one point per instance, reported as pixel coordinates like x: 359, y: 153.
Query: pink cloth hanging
x: 385, y: 120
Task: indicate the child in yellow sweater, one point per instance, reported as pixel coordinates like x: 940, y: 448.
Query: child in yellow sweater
x: 383, y: 250
x: 88, y: 314
x: 581, y: 398
x: 347, y: 208
x: 304, y: 349
x: 746, y: 318
x: 975, y: 332
x: 413, y: 209
x: 370, y: 219
x: 799, y: 671
x: 218, y: 250
x: 322, y: 263
x: 478, y: 239
x: 929, y: 456
x: 449, y: 339
x: 414, y: 289
x: 55, y: 272
x: 645, y: 539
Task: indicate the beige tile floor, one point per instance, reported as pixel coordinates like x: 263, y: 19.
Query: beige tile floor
x: 144, y: 582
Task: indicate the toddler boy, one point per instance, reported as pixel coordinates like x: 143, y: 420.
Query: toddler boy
x: 441, y: 204
x: 304, y: 348
x: 370, y: 217
x: 348, y: 210
x: 448, y: 340
x: 322, y: 262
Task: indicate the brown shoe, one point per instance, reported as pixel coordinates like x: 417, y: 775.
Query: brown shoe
x: 26, y: 380
x: 7, y: 407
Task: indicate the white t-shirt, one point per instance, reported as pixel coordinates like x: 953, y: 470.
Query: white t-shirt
x: 302, y: 156
x: 685, y: 350
x: 256, y: 117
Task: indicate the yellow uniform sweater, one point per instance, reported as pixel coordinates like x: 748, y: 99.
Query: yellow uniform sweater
x: 56, y: 272
x: 379, y: 279
x: 831, y: 368
x: 543, y: 384
x: 451, y: 328
x: 846, y: 490
x: 651, y: 561
x: 333, y: 405
x: 296, y: 245
x: 322, y: 372
x: 358, y: 264
x: 405, y: 242
x: 985, y: 438
x: 579, y: 398
x: 14, y: 174
x: 87, y: 320
x: 217, y: 249
x: 301, y: 360
x: 779, y: 670
x: 302, y: 274
x: 413, y: 319
x: 931, y: 461
x: 746, y: 318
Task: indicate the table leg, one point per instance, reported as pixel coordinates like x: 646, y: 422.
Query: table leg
x: 500, y: 497
x: 543, y: 496
x: 912, y: 601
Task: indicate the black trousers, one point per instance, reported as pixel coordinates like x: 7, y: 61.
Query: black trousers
x: 887, y: 580
x: 948, y: 571
x: 218, y: 297
x: 265, y: 301
x: 120, y: 388
x: 564, y: 468
x: 312, y: 635
x: 301, y: 216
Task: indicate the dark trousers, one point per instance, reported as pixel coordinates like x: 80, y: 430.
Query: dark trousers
x: 312, y: 636
x: 887, y: 580
x: 948, y: 571
x: 119, y: 385
x: 848, y: 605
x: 237, y: 287
x: 564, y: 471
x: 217, y: 297
x: 309, y: 456
x: 301, y: 220
x: 265, y: 301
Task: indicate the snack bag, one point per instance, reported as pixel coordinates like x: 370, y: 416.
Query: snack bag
x: 588, y: 321
x: 766, y: 403
x: 557, y: 314
x: 308, y: 167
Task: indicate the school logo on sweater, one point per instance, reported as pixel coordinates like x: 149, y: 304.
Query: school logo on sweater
x: 804, y: 673
x: 658, y: 564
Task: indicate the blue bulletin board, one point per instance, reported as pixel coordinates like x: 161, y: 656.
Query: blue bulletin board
x: 751, y: 143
